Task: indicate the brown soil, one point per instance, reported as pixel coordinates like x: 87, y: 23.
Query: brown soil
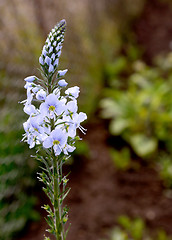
x: 100, y: 194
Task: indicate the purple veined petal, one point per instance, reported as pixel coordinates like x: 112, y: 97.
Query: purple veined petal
x: 61, y: 73
x: 41, y: 61
x: 48, y: 142
x: 62, y: 83
x: 30, y: 79
x: 48, y: 60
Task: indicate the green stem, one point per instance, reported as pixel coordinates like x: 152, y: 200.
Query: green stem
x: 57, y: 178
x: 57, y: 205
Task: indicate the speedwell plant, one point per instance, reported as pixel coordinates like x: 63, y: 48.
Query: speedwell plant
x: 52, y: 127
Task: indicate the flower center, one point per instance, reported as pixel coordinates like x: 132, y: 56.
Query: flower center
x: 51, y: 108
x: 56, y: 142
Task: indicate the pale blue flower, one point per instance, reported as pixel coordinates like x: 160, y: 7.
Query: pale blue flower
x: 61, y: 73
x: 30, y: 79
x: 41, y: 95
x: 62, y: 83
x: 52, y: 106
x: 29, y: 109
x: 71, y: 107
x: 68, y: 149
x: 74, y: 123
x: 73, y: 92
x: 57, y: 140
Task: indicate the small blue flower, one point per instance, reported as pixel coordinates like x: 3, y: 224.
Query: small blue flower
x: 62, y: 83
x: 52, y: 106
x: 57, y: 140
x: 61, y: 73
x: 41, y: 95
x: 73, y: 92
x: 30, y: 79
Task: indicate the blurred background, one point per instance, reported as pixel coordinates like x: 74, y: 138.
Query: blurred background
x: 120, y: 54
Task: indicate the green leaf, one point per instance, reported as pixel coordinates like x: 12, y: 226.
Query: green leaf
x: 118, y: 125
x: 143, y: 145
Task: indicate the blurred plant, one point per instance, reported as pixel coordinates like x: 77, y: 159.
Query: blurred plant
x: 139, y: 107
x: 121, y: 158
x: 135, y: 229
x: 164, y: 165
x: 51, y: 127
x: 16, y: 184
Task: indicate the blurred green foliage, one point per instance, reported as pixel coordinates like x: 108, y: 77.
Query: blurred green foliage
x: 121, y: 158
x: 138, y: 103
x: 135, y: 229
x: 16, y: 169
x: 165, y: 169
x: 139, y: 106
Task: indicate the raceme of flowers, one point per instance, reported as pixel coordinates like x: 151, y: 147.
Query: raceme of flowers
x: 53, y: 112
